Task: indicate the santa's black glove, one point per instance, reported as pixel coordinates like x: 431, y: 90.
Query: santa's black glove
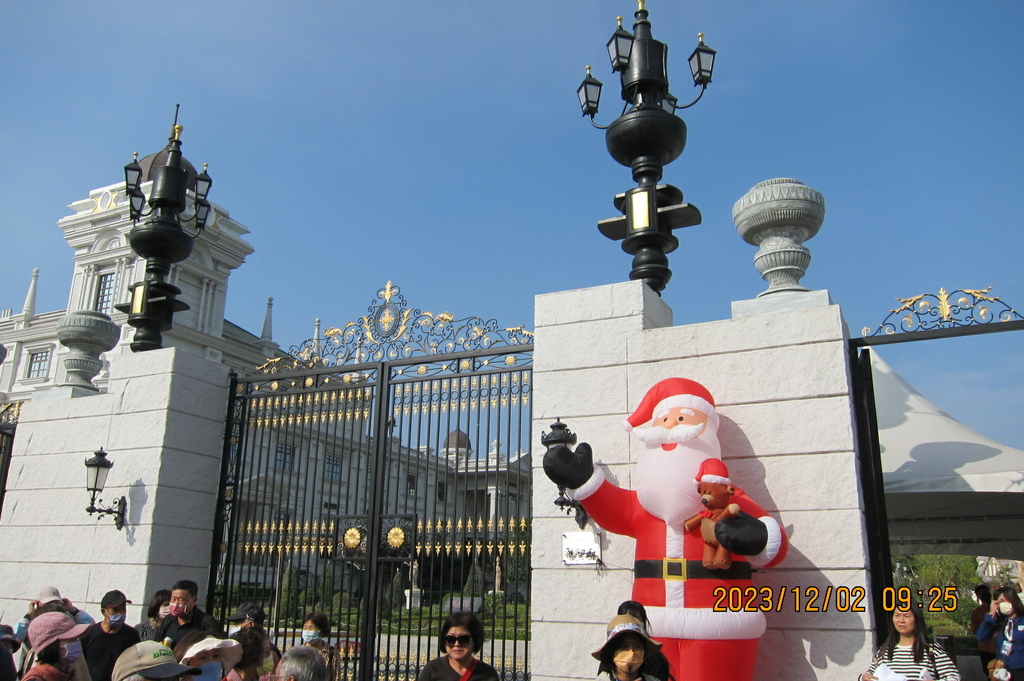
x: 743, y: 535
x: 568, y: 468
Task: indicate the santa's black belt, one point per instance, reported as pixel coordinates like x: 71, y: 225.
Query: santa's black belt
x: 679, y: 569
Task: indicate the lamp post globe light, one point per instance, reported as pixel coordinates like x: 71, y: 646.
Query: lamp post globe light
x: 645, y: 138
x: 161, y: 238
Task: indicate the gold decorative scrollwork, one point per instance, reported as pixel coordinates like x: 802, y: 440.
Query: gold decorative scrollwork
x: 10, y: 412
x: 392, y: 330
x: 944, y: 310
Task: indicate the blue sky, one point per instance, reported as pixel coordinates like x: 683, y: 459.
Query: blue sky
x: 439, y: 145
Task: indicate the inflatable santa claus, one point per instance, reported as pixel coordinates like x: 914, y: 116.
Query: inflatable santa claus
x: 704, y: 635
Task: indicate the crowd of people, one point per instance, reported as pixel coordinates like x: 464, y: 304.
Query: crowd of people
x: 57, y: 641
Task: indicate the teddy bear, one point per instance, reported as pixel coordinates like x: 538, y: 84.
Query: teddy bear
x: 715, y: 489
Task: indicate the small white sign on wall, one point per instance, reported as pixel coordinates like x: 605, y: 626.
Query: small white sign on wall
x: 581, y: 548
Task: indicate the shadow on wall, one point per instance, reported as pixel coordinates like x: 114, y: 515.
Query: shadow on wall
x: 804, y: 636
x: 137, y: 498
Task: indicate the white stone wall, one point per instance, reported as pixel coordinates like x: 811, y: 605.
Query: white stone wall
x: 162, y: 424
x: 783, y: 392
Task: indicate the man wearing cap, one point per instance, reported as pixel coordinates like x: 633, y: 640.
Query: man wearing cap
x: 49, y: 596
x: 149, y: 660
x: 251, y: 615
x: 185, y: 614
x: 678, y: 423
x: 104, y: 641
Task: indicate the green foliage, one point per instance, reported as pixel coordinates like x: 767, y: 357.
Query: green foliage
x: 924, y: 571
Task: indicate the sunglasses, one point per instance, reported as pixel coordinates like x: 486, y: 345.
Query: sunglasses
x: 463, y: 640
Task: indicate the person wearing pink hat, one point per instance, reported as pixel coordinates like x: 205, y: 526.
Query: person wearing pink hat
x: 678, y: 423
x: 54, y: 638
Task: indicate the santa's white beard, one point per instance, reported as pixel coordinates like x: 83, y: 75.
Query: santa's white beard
x: 660, y: 435
x: 665, y: 480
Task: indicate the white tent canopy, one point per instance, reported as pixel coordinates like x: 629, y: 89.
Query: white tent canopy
x: 948, y: 489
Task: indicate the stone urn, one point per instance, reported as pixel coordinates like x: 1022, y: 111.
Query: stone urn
x: 88, y: 335
x: 778, y: 216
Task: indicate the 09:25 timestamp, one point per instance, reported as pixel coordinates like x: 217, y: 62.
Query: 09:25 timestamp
x: 932, y: 599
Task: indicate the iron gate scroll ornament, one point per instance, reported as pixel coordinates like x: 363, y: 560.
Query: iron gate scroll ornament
x: 961, y: 308
x: 392, y: 330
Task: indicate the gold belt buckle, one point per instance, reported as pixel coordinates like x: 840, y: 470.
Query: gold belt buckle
x: 673, y: 569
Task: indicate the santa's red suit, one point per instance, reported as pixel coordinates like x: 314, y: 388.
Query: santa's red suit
x: 701, y: 641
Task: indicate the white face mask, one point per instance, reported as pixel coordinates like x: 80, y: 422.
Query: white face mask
x: 1006, y: 608
x: 234, y: 629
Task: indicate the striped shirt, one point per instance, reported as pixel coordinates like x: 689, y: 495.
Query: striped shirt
x: 938, y: 665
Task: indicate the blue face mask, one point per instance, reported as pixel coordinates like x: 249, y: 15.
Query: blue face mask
x: 116, y: 620
x: 211, y: 671
x: 72, y: 651
x: 310, y: 635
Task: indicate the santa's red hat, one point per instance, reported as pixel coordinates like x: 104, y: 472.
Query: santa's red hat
x: 713, y: 470
x: 670, y: 394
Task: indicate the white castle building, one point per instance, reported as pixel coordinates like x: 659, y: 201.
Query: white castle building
x: 104, y: 267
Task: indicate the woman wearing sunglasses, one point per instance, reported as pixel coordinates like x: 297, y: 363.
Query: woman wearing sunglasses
x: 462, y: 636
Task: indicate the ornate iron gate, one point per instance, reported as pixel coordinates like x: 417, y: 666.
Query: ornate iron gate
x: 8, y: 422
x: 381, y: 475
x: 962, y: 312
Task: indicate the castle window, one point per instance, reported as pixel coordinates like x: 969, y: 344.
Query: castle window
x: 39, y: 364
x: 105, y: 286
x: 442, y: 491
x: 285, y: 458
x: 332, y: 468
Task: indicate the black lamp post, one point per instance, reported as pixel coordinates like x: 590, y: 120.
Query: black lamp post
x: 96, y: 470
x: 161, y: 240
x: 647, y: 137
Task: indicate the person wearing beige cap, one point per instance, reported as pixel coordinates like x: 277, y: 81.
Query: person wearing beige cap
x: 149, y: 660
x: 625, y: 647
x: 49, y: 600
x: 54, y: 638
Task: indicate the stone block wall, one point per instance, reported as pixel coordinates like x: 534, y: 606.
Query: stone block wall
x: 782, y: 389
x: 162, y: 424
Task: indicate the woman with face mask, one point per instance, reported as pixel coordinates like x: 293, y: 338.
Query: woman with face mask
x: 1005, y: 623
x: 54, y: 637
x: 315, y: 630
x: 159, y: 608
x: 626, y: 647
x: 214, y: 656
